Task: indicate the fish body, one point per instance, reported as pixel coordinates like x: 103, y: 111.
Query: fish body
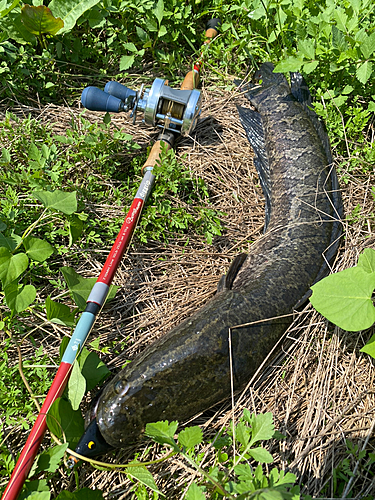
x: 189, y: 369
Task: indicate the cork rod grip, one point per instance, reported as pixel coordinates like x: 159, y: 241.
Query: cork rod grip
x: 191, y: 80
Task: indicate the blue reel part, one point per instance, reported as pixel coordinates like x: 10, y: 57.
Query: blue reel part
x: 97, y: 100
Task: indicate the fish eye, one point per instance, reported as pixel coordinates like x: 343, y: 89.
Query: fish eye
x: 121, y: 387
x: 91, y: 445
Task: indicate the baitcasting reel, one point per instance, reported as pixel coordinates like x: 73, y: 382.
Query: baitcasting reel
x: 164, y: 107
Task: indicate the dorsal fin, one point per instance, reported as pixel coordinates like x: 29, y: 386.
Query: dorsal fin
x: 227, y: 280
x: 252, y: 123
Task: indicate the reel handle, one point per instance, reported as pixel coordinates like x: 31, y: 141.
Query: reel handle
x: 97, y: 100
x: 191, y: 80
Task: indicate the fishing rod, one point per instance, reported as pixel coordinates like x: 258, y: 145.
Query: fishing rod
x: 174, y: 111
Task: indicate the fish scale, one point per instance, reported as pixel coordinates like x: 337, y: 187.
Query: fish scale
x: 188, y: 370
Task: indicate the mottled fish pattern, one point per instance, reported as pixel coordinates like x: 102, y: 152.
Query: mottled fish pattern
x: 188, y: 369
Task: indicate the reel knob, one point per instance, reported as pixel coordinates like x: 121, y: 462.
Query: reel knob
x: 96, y: 100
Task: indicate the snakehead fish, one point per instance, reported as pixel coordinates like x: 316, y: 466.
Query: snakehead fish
x: 188, y: 370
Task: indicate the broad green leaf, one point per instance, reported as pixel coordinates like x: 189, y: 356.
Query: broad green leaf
x: 368, y: 46
x: 144, y: 476
x: 75, y: 229
x: 344, y: 298
x: 371, y: 106
x: 19, y: 299
x: 49, y: 460
x: 338, y: 39
x: 307, y: 48
x: 261, y: 455
x: 6, y: 11
x: 262, y: 427
x: 10, y: 242
x: 37, y: 249
x: 40, y: 20
x: 364, y: 72
x: 162, y: 432
x: 37, y: 495
x: 131, y: 47
x: 81, y: 287
x: 195, y: 492
x: 126, y: 62
x: 369, y: 348
x: 64, y: 344
x: 59, y: 200
x: 244, y: 472
x: 159, y: 11
x: 62, y: 417
x: 76, y: 386
x: 11, y: 266
x: 83, y: 494
x: 70, y: 11
x: 190, y: 437
x: 289, y: 64
x: 310, y: 66
x: 242, y: 433
x: 32, y: 487
x: 341, y: 18
x: 59, y: 313
x: 367, y: 260
x: 278, y: 478
x: 92, y: 368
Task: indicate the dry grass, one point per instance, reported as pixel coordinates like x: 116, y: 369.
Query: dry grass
x: 317, y: 384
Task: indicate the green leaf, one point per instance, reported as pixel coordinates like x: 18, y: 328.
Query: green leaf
x: 344, y: 298
x: 262, y: 427
x: 163, y: 432
x: 76, y: 386
x: 190, y: 437
x: 126, y: 62
x: 261, y: 455
x: 59, y: 200
x: 49, y: 460
x: 341, y: 18
x: 244, y: 472
x: 144, y: 476
x: 367, y: 260
x: 195, y: 492
x: 81, y: 287
x: 37, y: 249
x: 61, y: 416
x: 11, y: 266
x: 368, y: 46
x: 364, y: 72
x: 369, y: 348
x: 92, y: 368
x: 289, y: 64
x: 70, y: 11
x: 307, y: 48
x: 75, y: 229
x: 6, y: 11
x: 82, y: 494
x: 10, y: 242
x: 38, y: 20
x: 19, y: 299
x: 59, y: 313
x: 159, y: 11
x: 371, y: 106
x: 338, y: 39
x: 32, y: 487
x: 310, y: 66
x: 242, y: 433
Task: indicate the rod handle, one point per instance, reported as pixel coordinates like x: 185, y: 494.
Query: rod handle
x: 191, y: 80
x: 155, y: 154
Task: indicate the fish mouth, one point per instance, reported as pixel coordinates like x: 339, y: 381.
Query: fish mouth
x: 91, y: 444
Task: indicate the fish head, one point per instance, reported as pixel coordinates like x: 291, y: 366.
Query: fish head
x: 92, y: 443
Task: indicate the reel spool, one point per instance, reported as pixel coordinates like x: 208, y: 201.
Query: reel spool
x: 170, y: 109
